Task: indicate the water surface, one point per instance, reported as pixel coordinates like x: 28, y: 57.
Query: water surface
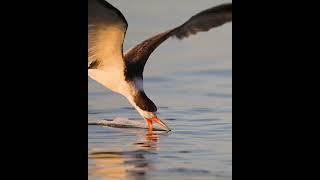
x: 190, y: 81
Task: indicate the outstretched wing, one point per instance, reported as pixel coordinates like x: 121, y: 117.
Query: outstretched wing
x: 136, y: 57
x: 106, y: 31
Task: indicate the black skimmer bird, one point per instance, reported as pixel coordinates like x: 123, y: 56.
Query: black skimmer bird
x: 123, y: 72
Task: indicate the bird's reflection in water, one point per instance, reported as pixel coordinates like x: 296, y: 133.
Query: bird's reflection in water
x: 127, y: 164
x: 149, y: 141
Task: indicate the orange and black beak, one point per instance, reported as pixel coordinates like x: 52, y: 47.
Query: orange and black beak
x: 157, y: 120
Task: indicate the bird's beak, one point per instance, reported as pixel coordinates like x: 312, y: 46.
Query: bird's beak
x: 162, y: 124
x: 157, y: 120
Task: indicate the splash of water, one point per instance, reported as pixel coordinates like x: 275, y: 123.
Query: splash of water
x: 121, y: 122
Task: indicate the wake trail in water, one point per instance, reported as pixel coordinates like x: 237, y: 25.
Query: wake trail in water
x: 123, y: 123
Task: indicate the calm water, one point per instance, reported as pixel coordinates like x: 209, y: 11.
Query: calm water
x: 190, y: 82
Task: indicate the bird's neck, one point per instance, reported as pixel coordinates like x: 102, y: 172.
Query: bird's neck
x: 145, y: 114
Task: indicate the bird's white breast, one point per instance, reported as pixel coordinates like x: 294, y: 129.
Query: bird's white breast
x: 113, y: 78
x: 110, y: 76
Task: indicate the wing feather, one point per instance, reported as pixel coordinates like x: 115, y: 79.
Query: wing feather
x: 205, y: 20
x: 136, y: 57
x: 106, y: 31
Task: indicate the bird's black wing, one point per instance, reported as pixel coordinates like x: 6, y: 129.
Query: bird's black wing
x: 106, y: 31
x: 136, y: 58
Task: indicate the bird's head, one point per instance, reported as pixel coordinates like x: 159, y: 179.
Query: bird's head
x: 145, y: 107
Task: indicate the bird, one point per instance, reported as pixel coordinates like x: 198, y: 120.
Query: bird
x: 122, y: 72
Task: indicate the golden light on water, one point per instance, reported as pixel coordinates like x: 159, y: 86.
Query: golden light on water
x: 115, y: 165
